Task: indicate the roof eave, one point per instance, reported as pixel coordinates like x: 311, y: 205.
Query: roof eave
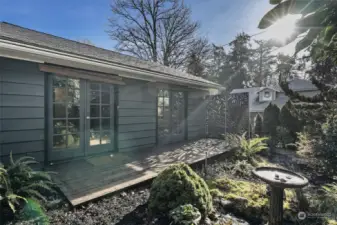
x: 12, y: 49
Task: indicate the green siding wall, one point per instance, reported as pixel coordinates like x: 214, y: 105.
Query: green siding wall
x: 196, y: 120
x: 137, y: 116
x: 22, y: 122
x: 21, y: 109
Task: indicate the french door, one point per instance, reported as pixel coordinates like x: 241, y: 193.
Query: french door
x: 80, y: 118
x: 171, y: 116
x: 99, y: 117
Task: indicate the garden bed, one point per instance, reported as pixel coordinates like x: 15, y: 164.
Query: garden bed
x: 131, y: 206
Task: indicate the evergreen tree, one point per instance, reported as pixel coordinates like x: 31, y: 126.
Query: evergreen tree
x: 290, y: 120
x: 271, y: 120
x: 258, y: 125
x: 262, y: 64
x: 239, y: 58
x: 319, y: 113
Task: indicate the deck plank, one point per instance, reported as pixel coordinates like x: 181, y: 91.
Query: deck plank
x: 90, y: 178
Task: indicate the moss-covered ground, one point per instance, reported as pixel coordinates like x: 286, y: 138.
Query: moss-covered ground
x: 250, y: 199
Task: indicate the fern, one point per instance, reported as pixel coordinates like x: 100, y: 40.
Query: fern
x: 34, y: 213
x: 250, y: 147
x: 20, y: 182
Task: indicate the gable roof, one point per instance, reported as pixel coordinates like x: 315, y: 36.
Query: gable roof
x: 270, y: 88
x: 34, y: 38
x: 245, y: 90
x: 301, y: 85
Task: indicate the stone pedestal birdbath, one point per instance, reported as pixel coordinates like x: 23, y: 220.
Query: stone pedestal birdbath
x: 278, y: 179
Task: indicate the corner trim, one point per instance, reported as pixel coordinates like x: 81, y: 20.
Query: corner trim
x: 46, y: 118
x: 116, y: 118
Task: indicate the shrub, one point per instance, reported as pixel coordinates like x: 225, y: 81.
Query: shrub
x: 290, y: 121
x: 328, y: 145
x: 283, y: 136
x: 329, y: 201
x: 258, y: 125
x: 179, y: 185
x: 271, y: 120
x: 305, y: 144
x: 241, y: 169
x: 185, y: 215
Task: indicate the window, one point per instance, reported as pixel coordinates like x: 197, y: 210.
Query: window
x: 163, y: 112
x: 163, y: 103
x: 66, y: 113
x: 267, y: 94
x: 177, y: 112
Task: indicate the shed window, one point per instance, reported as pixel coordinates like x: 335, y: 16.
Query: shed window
x: 267, y: 94
x: 163, y: 104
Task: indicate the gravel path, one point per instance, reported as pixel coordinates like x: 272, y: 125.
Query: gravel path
x: 109, y: 210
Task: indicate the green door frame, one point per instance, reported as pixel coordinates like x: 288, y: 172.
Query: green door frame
x: 68, y: 154
x: 185, y: 127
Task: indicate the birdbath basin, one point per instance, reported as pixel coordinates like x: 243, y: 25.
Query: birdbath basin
x: 278, y: 179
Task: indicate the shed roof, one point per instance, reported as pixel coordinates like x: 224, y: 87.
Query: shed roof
x: 301, y: 85
x: 35, y: 38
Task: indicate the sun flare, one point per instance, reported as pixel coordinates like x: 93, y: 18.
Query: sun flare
x: 283, y: 28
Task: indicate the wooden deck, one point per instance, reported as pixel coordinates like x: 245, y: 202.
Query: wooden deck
x: 90, y: 178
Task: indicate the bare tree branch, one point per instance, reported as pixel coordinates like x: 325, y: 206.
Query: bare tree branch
x: 155, y: 30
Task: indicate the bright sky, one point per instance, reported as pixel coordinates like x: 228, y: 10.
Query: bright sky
x: 220, y: 20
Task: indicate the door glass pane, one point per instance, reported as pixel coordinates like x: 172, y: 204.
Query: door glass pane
x: 178, y: 111
x: 73, y: 83
x: 105, y: 111
x: 59, y: 94
x: 60, y: 126
x: 73, y: 111
x: 95, y: 97
x: 94, y: 111
x: 94, y: 86
x: 166, y: 101
x: 59, y: 81
x: 106, y: 87
x: 106, y: 124
x: 95, y: 138
x: 105, y: 98
x: 74, y: 96
x: 59, y: 110
x: 160, y: 101
x: 73, y: 126
x: 106, y: 137
x: 94, y: 125
x: 59, y: 141
x: 73, y: 141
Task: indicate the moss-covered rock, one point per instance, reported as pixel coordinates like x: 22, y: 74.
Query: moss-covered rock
x: 250, y: 199
x: 179, y: 185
